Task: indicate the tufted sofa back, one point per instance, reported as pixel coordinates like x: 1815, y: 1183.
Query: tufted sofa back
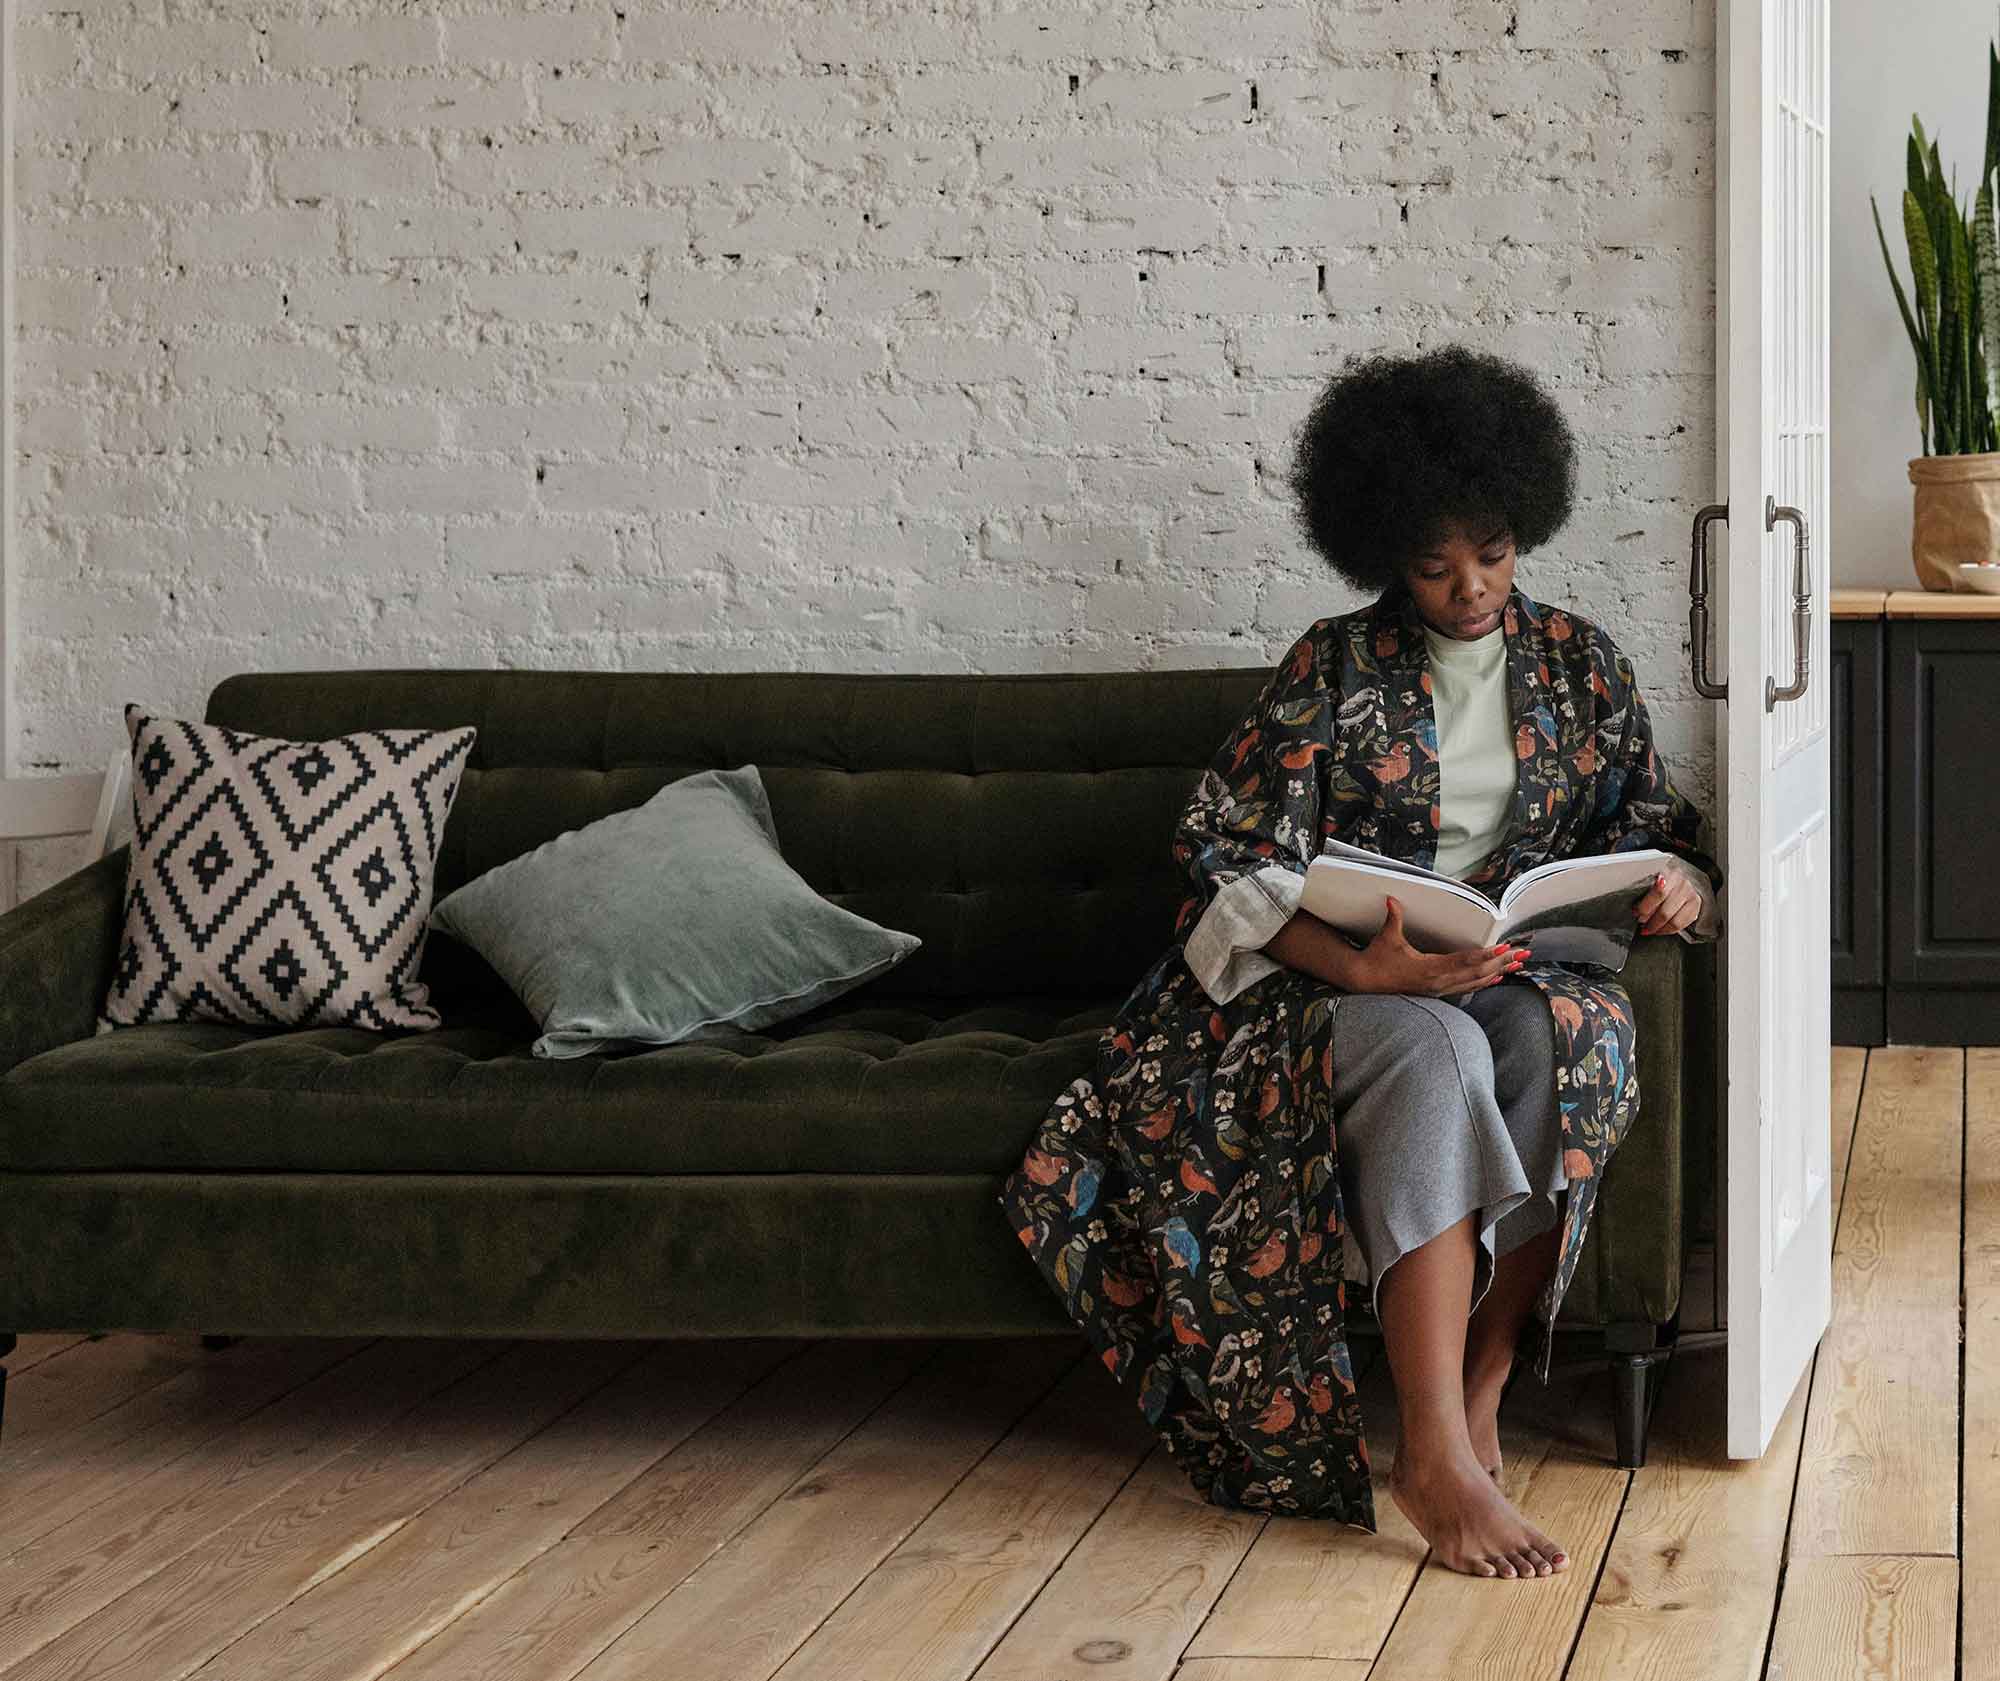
x: 1018, y: 824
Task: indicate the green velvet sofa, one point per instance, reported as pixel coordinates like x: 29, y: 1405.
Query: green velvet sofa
x: 832, y: 1176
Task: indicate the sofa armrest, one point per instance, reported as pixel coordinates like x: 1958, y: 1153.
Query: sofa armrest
x: 56, y: 952
x: 1632, y: 1261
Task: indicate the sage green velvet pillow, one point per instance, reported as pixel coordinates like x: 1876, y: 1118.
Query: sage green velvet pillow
x: 677, y: 919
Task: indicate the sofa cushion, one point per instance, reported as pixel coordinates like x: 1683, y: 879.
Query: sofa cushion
x: 674, y: 920
x: 276, y: 882
x: 879, y: 1085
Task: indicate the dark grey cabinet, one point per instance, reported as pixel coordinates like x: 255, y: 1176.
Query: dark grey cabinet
x: 1855, y: 815
x: 1915, y: 809
x: 1942, y: 807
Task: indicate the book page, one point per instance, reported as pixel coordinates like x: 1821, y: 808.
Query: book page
x: 1375, y: 860
x: 1564, y: 881
x: 1585, y: 913
x: 1438, y: 914
x: 1361, y: 855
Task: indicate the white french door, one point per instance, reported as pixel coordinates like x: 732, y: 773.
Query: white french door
x: 1773, y: 722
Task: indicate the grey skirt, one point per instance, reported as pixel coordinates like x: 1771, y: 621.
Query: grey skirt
x: 1442, y: 1108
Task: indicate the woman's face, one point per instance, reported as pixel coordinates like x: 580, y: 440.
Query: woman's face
x: 1461, y: 585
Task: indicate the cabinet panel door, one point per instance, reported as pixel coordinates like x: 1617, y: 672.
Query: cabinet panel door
x: 1942, y: 890
x: 1856, y: 805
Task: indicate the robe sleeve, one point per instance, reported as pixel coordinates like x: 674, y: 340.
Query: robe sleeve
x: 1252, y: 825
x: 1638, y: 804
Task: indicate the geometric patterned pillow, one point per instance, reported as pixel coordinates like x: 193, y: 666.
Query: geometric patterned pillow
x: 281, y: 883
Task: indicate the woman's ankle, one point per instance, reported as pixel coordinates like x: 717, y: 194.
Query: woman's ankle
x: 1437, y: 1470
x: 1426, y: 1447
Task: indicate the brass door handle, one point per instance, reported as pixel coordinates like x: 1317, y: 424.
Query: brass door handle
x: 1801, y: 605
x: 1698, y: 606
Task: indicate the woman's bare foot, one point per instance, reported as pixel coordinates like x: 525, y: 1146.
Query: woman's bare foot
x: 1471, y: 1526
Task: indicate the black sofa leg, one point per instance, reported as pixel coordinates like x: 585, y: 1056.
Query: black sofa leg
x: 6, y: 1348
x: 216, y: 1340
x: 1631, y: 1375
x: 1635, y: 1354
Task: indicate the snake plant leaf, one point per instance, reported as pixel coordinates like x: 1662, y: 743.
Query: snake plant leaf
x: 1973, y: 414
x: 1924, y: 285
x: 1895, y: 281
x: 1986, y: 243
x: 1979, y: 406
x: 1909, y: 326
x: 1933, y: 194
x: 1951, y: 300
x: 1944, y: 409
x: 1976, y: 417
x: 1937, y: 209
x: 1966, y: 324
x: 1992, y: 112
x: 1944, y: 366
x: 1986, y: 252
x: 1951, y: 312
x: 1923, y: 260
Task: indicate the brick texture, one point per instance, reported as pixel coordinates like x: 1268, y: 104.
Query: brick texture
x: 883, y: 335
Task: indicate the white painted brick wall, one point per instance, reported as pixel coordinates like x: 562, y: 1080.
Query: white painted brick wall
x: 873, y: 335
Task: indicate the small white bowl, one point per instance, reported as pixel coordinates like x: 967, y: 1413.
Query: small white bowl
x: 1983, y: 576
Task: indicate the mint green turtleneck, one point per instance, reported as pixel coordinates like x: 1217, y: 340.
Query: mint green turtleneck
x: 1478, y: 771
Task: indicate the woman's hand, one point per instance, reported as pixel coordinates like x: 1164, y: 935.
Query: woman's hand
x: 1670, y: 904
x: 1389, y: 963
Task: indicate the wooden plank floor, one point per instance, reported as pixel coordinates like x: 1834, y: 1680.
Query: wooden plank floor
x: 995, y: 1511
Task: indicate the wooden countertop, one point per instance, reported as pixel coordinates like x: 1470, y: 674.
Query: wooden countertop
x: 1912, y: 604
x: 1941, y: 604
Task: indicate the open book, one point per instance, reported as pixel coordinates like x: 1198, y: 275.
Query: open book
x: 1569, y: 910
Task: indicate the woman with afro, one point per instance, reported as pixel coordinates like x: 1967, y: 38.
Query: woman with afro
x: 1280, y: 1113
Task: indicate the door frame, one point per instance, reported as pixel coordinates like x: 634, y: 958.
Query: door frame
x: 1750, y: 36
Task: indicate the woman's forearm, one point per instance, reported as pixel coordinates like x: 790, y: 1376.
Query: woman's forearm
x: 1309, y: 945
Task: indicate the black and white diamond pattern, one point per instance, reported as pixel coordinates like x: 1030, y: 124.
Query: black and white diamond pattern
x: 281, y: 883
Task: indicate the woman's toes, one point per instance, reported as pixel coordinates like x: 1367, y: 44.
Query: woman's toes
x: 1549, y: 1550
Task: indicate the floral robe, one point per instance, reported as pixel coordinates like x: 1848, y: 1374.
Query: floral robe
x: 1184, y: 1200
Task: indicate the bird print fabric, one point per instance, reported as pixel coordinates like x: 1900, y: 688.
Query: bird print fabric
x: 1184, y: 1198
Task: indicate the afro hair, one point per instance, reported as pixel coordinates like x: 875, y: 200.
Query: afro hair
x: 1396, y: 450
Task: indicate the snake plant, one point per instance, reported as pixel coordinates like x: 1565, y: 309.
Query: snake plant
x: 1955, y: 276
